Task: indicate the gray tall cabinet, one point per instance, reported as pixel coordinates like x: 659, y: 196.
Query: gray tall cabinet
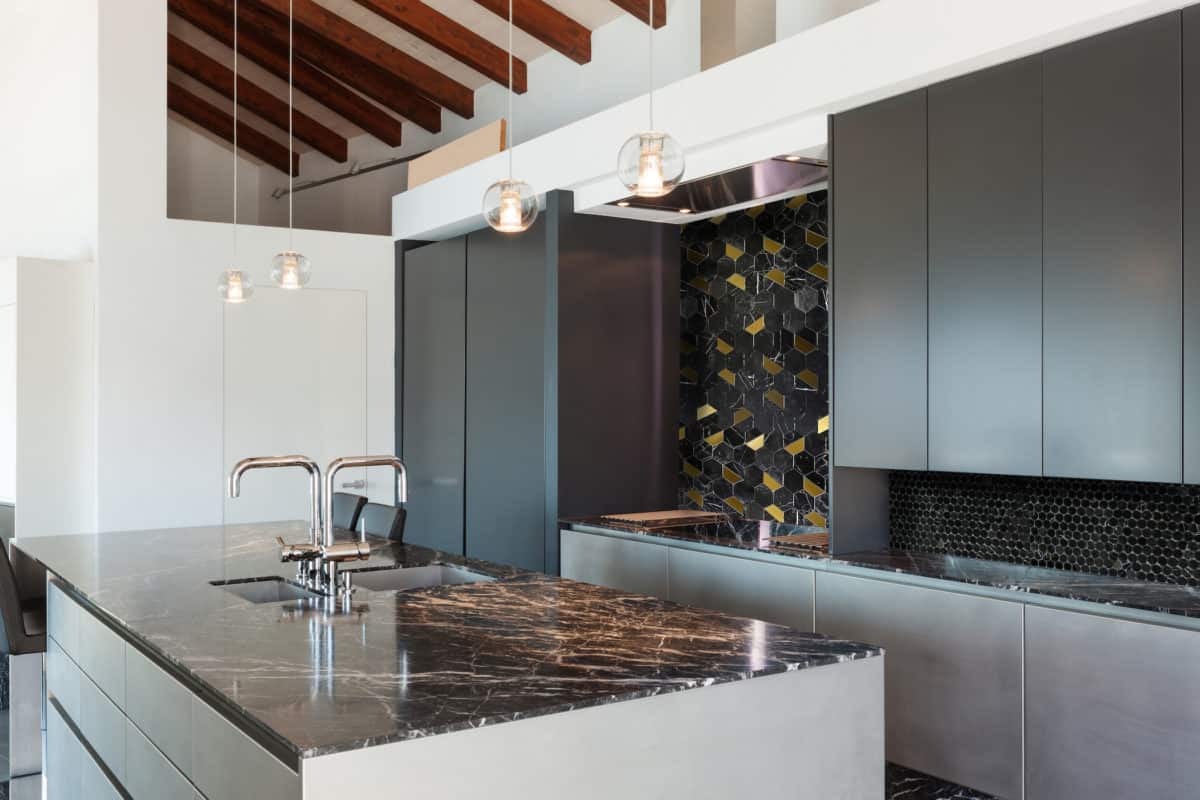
x: 1040, y: 319
x: 508, y: 352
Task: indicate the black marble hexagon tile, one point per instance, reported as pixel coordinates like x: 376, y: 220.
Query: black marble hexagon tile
x: 754, y: 401
x: 1144, y: 531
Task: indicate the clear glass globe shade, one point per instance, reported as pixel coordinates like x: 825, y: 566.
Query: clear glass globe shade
x: 235, y: 286
x: 510, y: 206
x: 290, y: 270
x: 650, y: 164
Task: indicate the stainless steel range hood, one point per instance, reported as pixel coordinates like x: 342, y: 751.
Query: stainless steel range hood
x: 744, y: 187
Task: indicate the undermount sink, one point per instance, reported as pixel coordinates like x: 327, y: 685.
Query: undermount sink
x: 265, y: 590
x: 404, y: 579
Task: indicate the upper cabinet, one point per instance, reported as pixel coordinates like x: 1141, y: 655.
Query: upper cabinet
x: 1062, y: 333
x: 1113, y: 255
x: 1191, y: 246
x: 880, y: 287
x: 985, y: 271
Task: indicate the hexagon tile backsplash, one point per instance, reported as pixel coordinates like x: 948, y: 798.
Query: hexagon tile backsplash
x: 754, y: 402
x: 1145, y: 531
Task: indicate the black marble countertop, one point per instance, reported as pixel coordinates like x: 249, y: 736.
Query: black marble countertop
x: 401, y: 665
x: 742, y: 534
x: 1163, y: 598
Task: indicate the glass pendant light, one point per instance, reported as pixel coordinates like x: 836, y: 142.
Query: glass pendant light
x: 290, y: 269
x: 650, y: 163
x: 235, y: 285
x: 510, y: 206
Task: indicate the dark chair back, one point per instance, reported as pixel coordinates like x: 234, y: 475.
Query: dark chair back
x: 346, y: 508
x: 24, y: 618
x: 384, y: 521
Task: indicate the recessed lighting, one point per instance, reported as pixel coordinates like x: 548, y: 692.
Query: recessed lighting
x: 792, y: 158
x: 623, y: 203
x: 685, y: 211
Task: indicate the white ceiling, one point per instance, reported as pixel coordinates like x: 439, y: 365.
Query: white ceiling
x: 590, y: 13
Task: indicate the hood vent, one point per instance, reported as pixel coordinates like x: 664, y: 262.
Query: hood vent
x: 744, y: 187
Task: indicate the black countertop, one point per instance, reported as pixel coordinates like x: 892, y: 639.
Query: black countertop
x: 763, y: 537
x: 402, y: 665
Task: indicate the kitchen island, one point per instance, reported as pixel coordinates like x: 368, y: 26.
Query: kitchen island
x: 181, y: 665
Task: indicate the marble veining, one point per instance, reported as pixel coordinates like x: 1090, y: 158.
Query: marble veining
x: 392, y: 666
x: 1129, y: 593
x: 908, y: 784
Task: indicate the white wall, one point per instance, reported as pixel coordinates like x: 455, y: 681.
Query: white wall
x: 55, y: 397
x: 201, y: 184
x: 48, y: 91
x: 794, y: 16
x: 8, y: 380
x: 159, y: 325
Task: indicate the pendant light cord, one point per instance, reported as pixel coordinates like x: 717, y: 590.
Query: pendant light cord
x: 650, y: 3
x: 291, y: 110
x: 235, y: 129
x: 510, y: 90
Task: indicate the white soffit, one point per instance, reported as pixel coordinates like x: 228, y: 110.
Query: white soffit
x: 750, y: 109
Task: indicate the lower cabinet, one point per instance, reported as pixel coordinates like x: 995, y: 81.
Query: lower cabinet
x: 125, y: 728
x: 756, y: 589
x: 1112, y: 708
x: 618, y: 563
x: 953, y: 675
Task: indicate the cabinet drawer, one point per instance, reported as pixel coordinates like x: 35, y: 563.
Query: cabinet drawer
x: 953, y: 675
x: 160, y: 706
x: 62, y: 678
x: 64, y: 756
x: 103, y: 725
x: 95, y: 647
x: 745, y: 588
x: 617, y: 563
x: 228, y: 765
x: 148, y: 773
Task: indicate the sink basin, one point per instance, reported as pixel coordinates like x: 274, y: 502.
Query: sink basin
x: 404, y: 579
x: 265, y: 590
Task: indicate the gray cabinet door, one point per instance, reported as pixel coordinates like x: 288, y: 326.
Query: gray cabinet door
x: 434, y: 367
x: 879, y: 269
x: 1191, y: 245
x: 953, y: 675
x: 742, y: 587
x: 985, y: 271
x: 1113, y: 261
x: 617, y: 563
x: 505, y: 408
x: 1112, y: 708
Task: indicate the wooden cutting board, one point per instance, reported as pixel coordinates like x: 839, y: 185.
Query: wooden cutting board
x: 668, y: 519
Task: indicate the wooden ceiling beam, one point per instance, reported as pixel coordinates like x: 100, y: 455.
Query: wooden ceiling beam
x: 641, y: 10
x: 313, y: 20
x: 356, y: 72
x: 314, y: 83
x: 253, y: 97
x: 450, y: 37
x: 548, y: 25
x: 217, y: 122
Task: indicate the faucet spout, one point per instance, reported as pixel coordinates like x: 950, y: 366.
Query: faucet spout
x: 267, y: 462
x: 360, y: 461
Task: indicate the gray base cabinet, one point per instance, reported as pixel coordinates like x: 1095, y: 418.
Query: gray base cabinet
x: 617, y: 563
x: 745, y: 588
x: 1112, y: 708
x: 953, y: 675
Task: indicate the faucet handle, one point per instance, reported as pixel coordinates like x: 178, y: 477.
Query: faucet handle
x: 297, y: 552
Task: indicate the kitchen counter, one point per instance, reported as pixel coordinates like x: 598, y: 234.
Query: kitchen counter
x: 764, y: 538
x: 398, y: 666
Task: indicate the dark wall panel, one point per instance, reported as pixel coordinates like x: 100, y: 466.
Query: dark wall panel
x: 505, y: 409
x: 434, y: 318
x: 1113, y: 261
x: 880, y: 273
x: 985, y: 271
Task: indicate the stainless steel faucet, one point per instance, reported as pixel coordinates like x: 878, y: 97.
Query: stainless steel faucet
x: 361, y: 461
x: 265, y: 462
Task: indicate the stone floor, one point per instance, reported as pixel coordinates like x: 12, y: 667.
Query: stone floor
x: 908, y: 784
